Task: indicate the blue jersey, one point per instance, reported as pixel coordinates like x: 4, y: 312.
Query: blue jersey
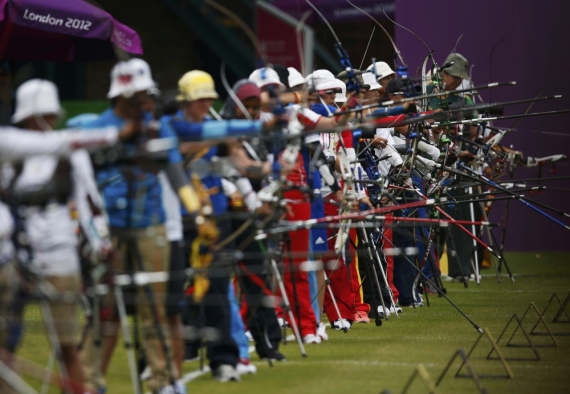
x: 318, y: 235
x: 133, y: 197
x: 320, y: 109
x: 209, y: 181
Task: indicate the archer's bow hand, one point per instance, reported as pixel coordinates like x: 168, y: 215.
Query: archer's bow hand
x: 366, y: 200
x: 351, y: 103
x: 130, y: 130
x: 379, y: 141
x: 466, y: 156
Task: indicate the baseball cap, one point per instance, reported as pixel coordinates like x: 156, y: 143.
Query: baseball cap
x: 395, y: 85
x: 401, y: 85
x: 196, y: 85
x: 370, y: 79
x: 382, y: 69
x: 36, y: 97
x: 323, y: 80
x: 248, y: 90
x: 129, y: 77
x: 459, y: 67
x: 265, y: 76
x: 342, y: 76
x: 295, y: 77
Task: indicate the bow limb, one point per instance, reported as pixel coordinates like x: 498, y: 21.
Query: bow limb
x: 298, y: 30
x: 405, y: 28
x: 231, y: 93
x: 424, y: 79
x: 352, y: 85
x: 248, y: 31
x: 491, y: 66
x: 383, y: 29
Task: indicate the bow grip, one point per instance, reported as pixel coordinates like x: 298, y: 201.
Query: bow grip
x: 352, y: 84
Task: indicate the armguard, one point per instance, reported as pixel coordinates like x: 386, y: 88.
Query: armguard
x: 189, y: 199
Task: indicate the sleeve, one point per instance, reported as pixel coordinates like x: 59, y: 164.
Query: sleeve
x: 18, y: 144
x: 166, y: 131
x: 179, y: 182
x: 308, y: 118
x: 215, y: 130
x: 229, y: 187
x: 251, y: 198
x: 171, y: 206
x: 88, y: 200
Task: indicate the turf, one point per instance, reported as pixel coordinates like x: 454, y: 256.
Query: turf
x: 370, y: 359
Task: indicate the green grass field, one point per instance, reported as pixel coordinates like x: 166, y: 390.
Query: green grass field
x: 370, y: 359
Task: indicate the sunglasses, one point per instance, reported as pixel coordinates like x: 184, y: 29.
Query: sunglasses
x: 330, y: 91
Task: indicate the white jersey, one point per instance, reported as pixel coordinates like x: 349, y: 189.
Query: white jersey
x: 18, y: 144
x: 50, y: 230
x: 384, y: 165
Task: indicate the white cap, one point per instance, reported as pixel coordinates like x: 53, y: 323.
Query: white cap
x: 130, y: 77
x: 341, y: 97
x: 370, y: 79
x: 265, y: 76
x: 295, y: 77
x: 382, y: 69
x: 36, y: 97
x: 322, y: 80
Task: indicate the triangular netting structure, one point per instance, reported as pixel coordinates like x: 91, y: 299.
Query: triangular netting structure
x: 519, y: 326
x: 561, y: 316
x: 460, y: 353
x: 508, y: 374
x: 422, y: 374
x: 532, y: 308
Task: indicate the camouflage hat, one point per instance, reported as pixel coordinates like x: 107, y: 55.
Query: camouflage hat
x: 460, y: 66
x: 342, y: 76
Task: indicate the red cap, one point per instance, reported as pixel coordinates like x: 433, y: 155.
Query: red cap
x: 248, y: 91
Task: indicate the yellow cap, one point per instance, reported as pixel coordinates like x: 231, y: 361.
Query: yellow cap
x: 195, y: 85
